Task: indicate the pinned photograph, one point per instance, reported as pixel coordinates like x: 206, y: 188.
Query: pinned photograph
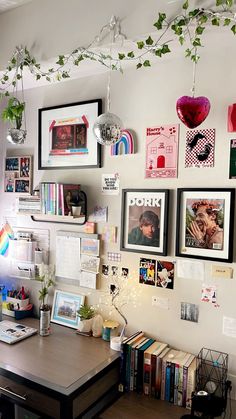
x: 124, y: 272
x: 147, y: 271
x: 165, y: 274
x: 114, y: 270
x: 189, y: 312
x: 105, y: 270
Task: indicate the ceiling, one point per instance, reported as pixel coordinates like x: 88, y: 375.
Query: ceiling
x: 11, y: 4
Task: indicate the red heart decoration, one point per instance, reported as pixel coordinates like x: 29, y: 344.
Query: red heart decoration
x: 193, y: 110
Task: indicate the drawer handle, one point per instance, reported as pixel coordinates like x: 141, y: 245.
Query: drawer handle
x: 12, y: 393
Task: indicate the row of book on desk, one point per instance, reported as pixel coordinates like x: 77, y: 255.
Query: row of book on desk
x: 153, y: 368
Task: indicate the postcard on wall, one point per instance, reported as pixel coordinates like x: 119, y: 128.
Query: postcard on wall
x: 209, y: 294
x: 232, y: 165
x: 18, y: 174
x: 109, y: 233
x: 99, y: 214
x: 229, y: 327
x: 111, y: 184
x: 88, y: 279
x: 200, y: 148
x: 189, y: 312
x: 165, y: 274
x: 90, y: 263
x: 90, y: 246
x: 147, y: 271
x: 162, y: 151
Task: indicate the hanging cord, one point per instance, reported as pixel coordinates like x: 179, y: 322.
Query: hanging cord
x: 112, y: 28
x: 194, y: 74
x: 23, y: 97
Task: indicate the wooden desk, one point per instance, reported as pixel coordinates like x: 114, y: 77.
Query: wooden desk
x: 61, y: 376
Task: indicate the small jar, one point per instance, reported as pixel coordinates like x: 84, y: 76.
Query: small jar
x: 44, y: 320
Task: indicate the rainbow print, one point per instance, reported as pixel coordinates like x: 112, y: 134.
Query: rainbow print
x: 125, y: 143
x: 6, y: 233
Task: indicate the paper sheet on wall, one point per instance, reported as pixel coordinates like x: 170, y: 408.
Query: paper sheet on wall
x: 88, y: 280
x: 190, y: 270
x: 229, y: 327
x: 68, y: 257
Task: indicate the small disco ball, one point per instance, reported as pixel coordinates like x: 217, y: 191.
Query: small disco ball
x: 16, y: 136
x: 107, y: 128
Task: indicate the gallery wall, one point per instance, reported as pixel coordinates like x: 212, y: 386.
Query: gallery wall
x: 142, y: 98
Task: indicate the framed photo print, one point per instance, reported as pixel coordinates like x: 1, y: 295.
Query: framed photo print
x: 18, y: 174
x: 205, y: 224
x: 66, y: 138
x: 144, y: 221
x: 65, y: 307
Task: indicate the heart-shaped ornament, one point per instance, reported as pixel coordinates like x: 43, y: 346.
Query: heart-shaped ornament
x: 193, y: 110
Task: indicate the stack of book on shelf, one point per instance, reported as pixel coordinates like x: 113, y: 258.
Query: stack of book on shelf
x: 153, y: 368
x: 28, y: 205
x: 59, y: 198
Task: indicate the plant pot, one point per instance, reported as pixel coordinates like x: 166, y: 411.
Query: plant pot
x: 85, y: 325
x: 16, y: 136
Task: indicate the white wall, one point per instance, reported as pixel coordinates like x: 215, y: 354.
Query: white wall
x: 141, y: 98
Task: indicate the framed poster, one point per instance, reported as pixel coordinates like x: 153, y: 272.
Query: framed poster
x: 18, y: 174
x: 205, y: 223
x: 65, y: 307
x: 66, y: 138
x: 144, y: 220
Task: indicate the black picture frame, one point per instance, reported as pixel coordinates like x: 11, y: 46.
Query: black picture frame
x: 138, y: 207
x: 205, y: 223
x: 65, y: 136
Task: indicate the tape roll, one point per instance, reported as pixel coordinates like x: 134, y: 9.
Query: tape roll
x: 202, y: 393
x: 115, y: 343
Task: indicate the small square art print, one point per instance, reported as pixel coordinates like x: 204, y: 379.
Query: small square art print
x: 165, y: 274
x: 200, y: 148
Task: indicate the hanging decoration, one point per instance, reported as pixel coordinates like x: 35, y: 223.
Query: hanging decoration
x: 191, y: 110
x: 108, y: 126
x: 125, y: 145
x: 232, y: 118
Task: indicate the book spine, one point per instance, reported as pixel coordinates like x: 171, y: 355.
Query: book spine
x: 163, y: 379
x: 172, y: 382
x: 139, y: 384
x: 158, y: 380
x: 167, y: 381
x: 153, y: 375
x: 135, y: 368
x: 132, y: 361
x: 184, y: 391
x: 127, y: 369
x: 147, y: 374
x: 122, y: 368
x: 191, y: 383
x: 176, y: 384
x: 180, y: 387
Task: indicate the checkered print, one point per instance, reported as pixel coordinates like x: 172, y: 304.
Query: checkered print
x: 191, y: 159
x: 114, y: 257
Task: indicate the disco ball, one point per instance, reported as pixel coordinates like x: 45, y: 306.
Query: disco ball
x: 16, y: 136
x: 107, y: 128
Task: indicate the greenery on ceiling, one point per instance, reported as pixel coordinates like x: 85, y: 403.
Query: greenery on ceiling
x: 187, y: 27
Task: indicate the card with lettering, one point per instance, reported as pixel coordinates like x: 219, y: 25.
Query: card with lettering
x: 111, y: 184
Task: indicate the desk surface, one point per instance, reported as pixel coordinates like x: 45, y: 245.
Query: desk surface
x: 63, y: 361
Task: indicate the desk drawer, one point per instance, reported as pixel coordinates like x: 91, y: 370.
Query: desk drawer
x: 30, y: 398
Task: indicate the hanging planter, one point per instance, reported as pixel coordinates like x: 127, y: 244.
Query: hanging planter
x: 13, y: 113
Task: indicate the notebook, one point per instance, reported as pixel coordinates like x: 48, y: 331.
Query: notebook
x: 11, y: 332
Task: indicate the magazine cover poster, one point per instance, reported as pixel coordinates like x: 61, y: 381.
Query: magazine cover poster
x: 68, y: 137
x: 147, y: 271
x: 162, y: 151
x: 205, y: 223
x: 232, y: 167
x: 144, y: 224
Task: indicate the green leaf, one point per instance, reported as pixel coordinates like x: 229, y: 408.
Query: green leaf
x: 48, y: 78
x: 215, y: 21
x: 185, y: 5
x: 149, y: 41
x: 65, y: 75
x: 146, y: 63
x: 38, y: 76
x: 139, y: 65
x: 5, y: 77
x: 181, y: 22
x: 203, y: 19
x: 196, y: 42
x: 61, y: 60
x: 13, y: 61
x: 140, y: 44
x: 227, y: 22
x: 159, y: 22
x: 194, y: 12
x: 130, y: 54
x: 165, y: 49
x: 158, y: 52
x: 229, y: 3
x: 233, y: 29
x: 121, y: 56
x: 177, y: 29
x: 219, y: 2
x: 187, y: 52
x: 18, y: 76
x: 199, y: 30
x: 181, y: 40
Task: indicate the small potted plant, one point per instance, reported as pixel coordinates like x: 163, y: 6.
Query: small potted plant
x: 13, y: 113
x: 47, y: 279
x: 86, y: 314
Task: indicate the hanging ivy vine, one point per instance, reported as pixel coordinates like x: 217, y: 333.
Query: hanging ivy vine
x: 188, y: 27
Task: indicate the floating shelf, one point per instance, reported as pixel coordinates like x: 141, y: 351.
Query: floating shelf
x: 64, y: 219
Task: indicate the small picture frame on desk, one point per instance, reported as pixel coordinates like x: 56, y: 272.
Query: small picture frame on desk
x: 65, y: 307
